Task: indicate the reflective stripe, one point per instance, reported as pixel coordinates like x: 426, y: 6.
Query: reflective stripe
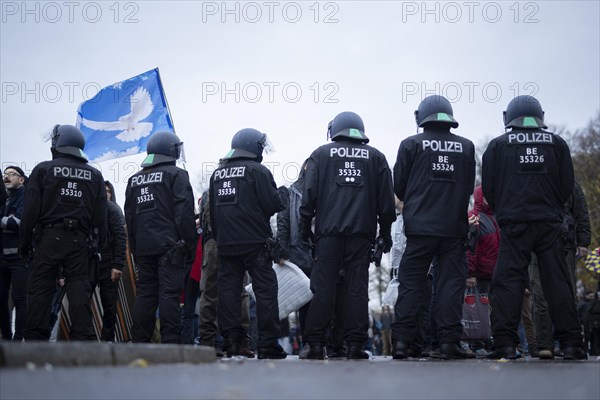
x: 11, y: 251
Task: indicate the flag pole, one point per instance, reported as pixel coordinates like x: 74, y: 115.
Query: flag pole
x: 166, y: 103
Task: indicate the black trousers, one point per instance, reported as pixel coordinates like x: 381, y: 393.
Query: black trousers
x: 517, y: 241
x: 109, y: 296
x: 13, y: 275
x: 69, y: 250
x: 159, y: 286
x: 232, y: 269
x: 334, y: 253
x: 450, y: 275
x: 334, y: 336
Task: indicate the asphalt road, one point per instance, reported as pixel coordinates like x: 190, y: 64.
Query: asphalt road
x: 377, y: 378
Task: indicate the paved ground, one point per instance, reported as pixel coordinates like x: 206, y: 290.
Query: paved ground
x: 377, y: 378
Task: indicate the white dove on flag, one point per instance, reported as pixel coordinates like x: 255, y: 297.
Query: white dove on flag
x: 130, y: 125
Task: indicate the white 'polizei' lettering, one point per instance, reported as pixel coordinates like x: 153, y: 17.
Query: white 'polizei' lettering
x: 230, y: 172
x: 349, y: 152
x: 443, y: 145
x: 152, y: 177
x: 529, y: 137
x: 73, y: 173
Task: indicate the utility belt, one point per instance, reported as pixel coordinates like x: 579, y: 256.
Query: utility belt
x: 67, y: 224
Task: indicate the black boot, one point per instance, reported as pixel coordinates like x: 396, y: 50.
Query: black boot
x: 274, y: 352
x: 507, y: 352
x: 315, y: 352
x: 356, y: 352
x: 574, y: 353
x: 400, y: 350
x: 452, y: 351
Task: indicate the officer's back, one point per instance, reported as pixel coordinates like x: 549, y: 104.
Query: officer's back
x: 70, y: 191
x: 534, y: 169
x: 243, y: 201
x: 65, y: 190
x: 157, y: 209
x: 434, y: 175
x: 346, y: 187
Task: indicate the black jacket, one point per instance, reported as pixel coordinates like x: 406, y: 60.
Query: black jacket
x: 434, y: 176
x: 65, y: 187
x: 159, y: 210
x: 116, y: 244
x: 115, y: 247
x: 527, y: 176
x: 348, y: 188
x: 288, y: 229
x: 243, y: 197
x: 10, y: 217
x: 578, y: 218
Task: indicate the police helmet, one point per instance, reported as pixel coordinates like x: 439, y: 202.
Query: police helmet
x: 67, y: 139
x: 349, y: 125
x: 524, y: 112
x: 162, y: 147
x: 435, y: 109
x: 249, y: 143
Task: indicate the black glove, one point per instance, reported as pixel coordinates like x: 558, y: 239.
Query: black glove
x: 387, y: 243
x: 385, y: 233
x: 306, y: 233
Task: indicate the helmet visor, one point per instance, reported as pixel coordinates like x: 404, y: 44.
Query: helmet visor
x: 180, y: 152
x: 267, y: 145
x: 47, y: 135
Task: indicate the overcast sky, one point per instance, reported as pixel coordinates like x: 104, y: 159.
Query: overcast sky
x: 287, y: 68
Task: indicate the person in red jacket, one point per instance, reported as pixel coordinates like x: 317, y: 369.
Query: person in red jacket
x: 482, y: 258
x: 483, y: 254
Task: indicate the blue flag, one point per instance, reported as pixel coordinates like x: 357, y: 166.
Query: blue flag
x: 120, y: 119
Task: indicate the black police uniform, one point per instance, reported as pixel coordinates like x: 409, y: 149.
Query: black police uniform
x: 527, y: 176
x: 243, y: 197
x: 159, y: 212
x: 65, y: 200
x: 434, y: 176
x: 348, y: 189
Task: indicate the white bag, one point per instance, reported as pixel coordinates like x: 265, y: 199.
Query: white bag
x: 391, y: 293
x: 294, y: 288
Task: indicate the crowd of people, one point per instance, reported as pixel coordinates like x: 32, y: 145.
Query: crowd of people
x: 518, y: 245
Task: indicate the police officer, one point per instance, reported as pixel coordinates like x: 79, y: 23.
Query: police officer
x: 159, y: 213
x: 434, y: 176
x: 527, y: 176
x: 243, y: 197
x: 65, y: 201
x: 348, y: 189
